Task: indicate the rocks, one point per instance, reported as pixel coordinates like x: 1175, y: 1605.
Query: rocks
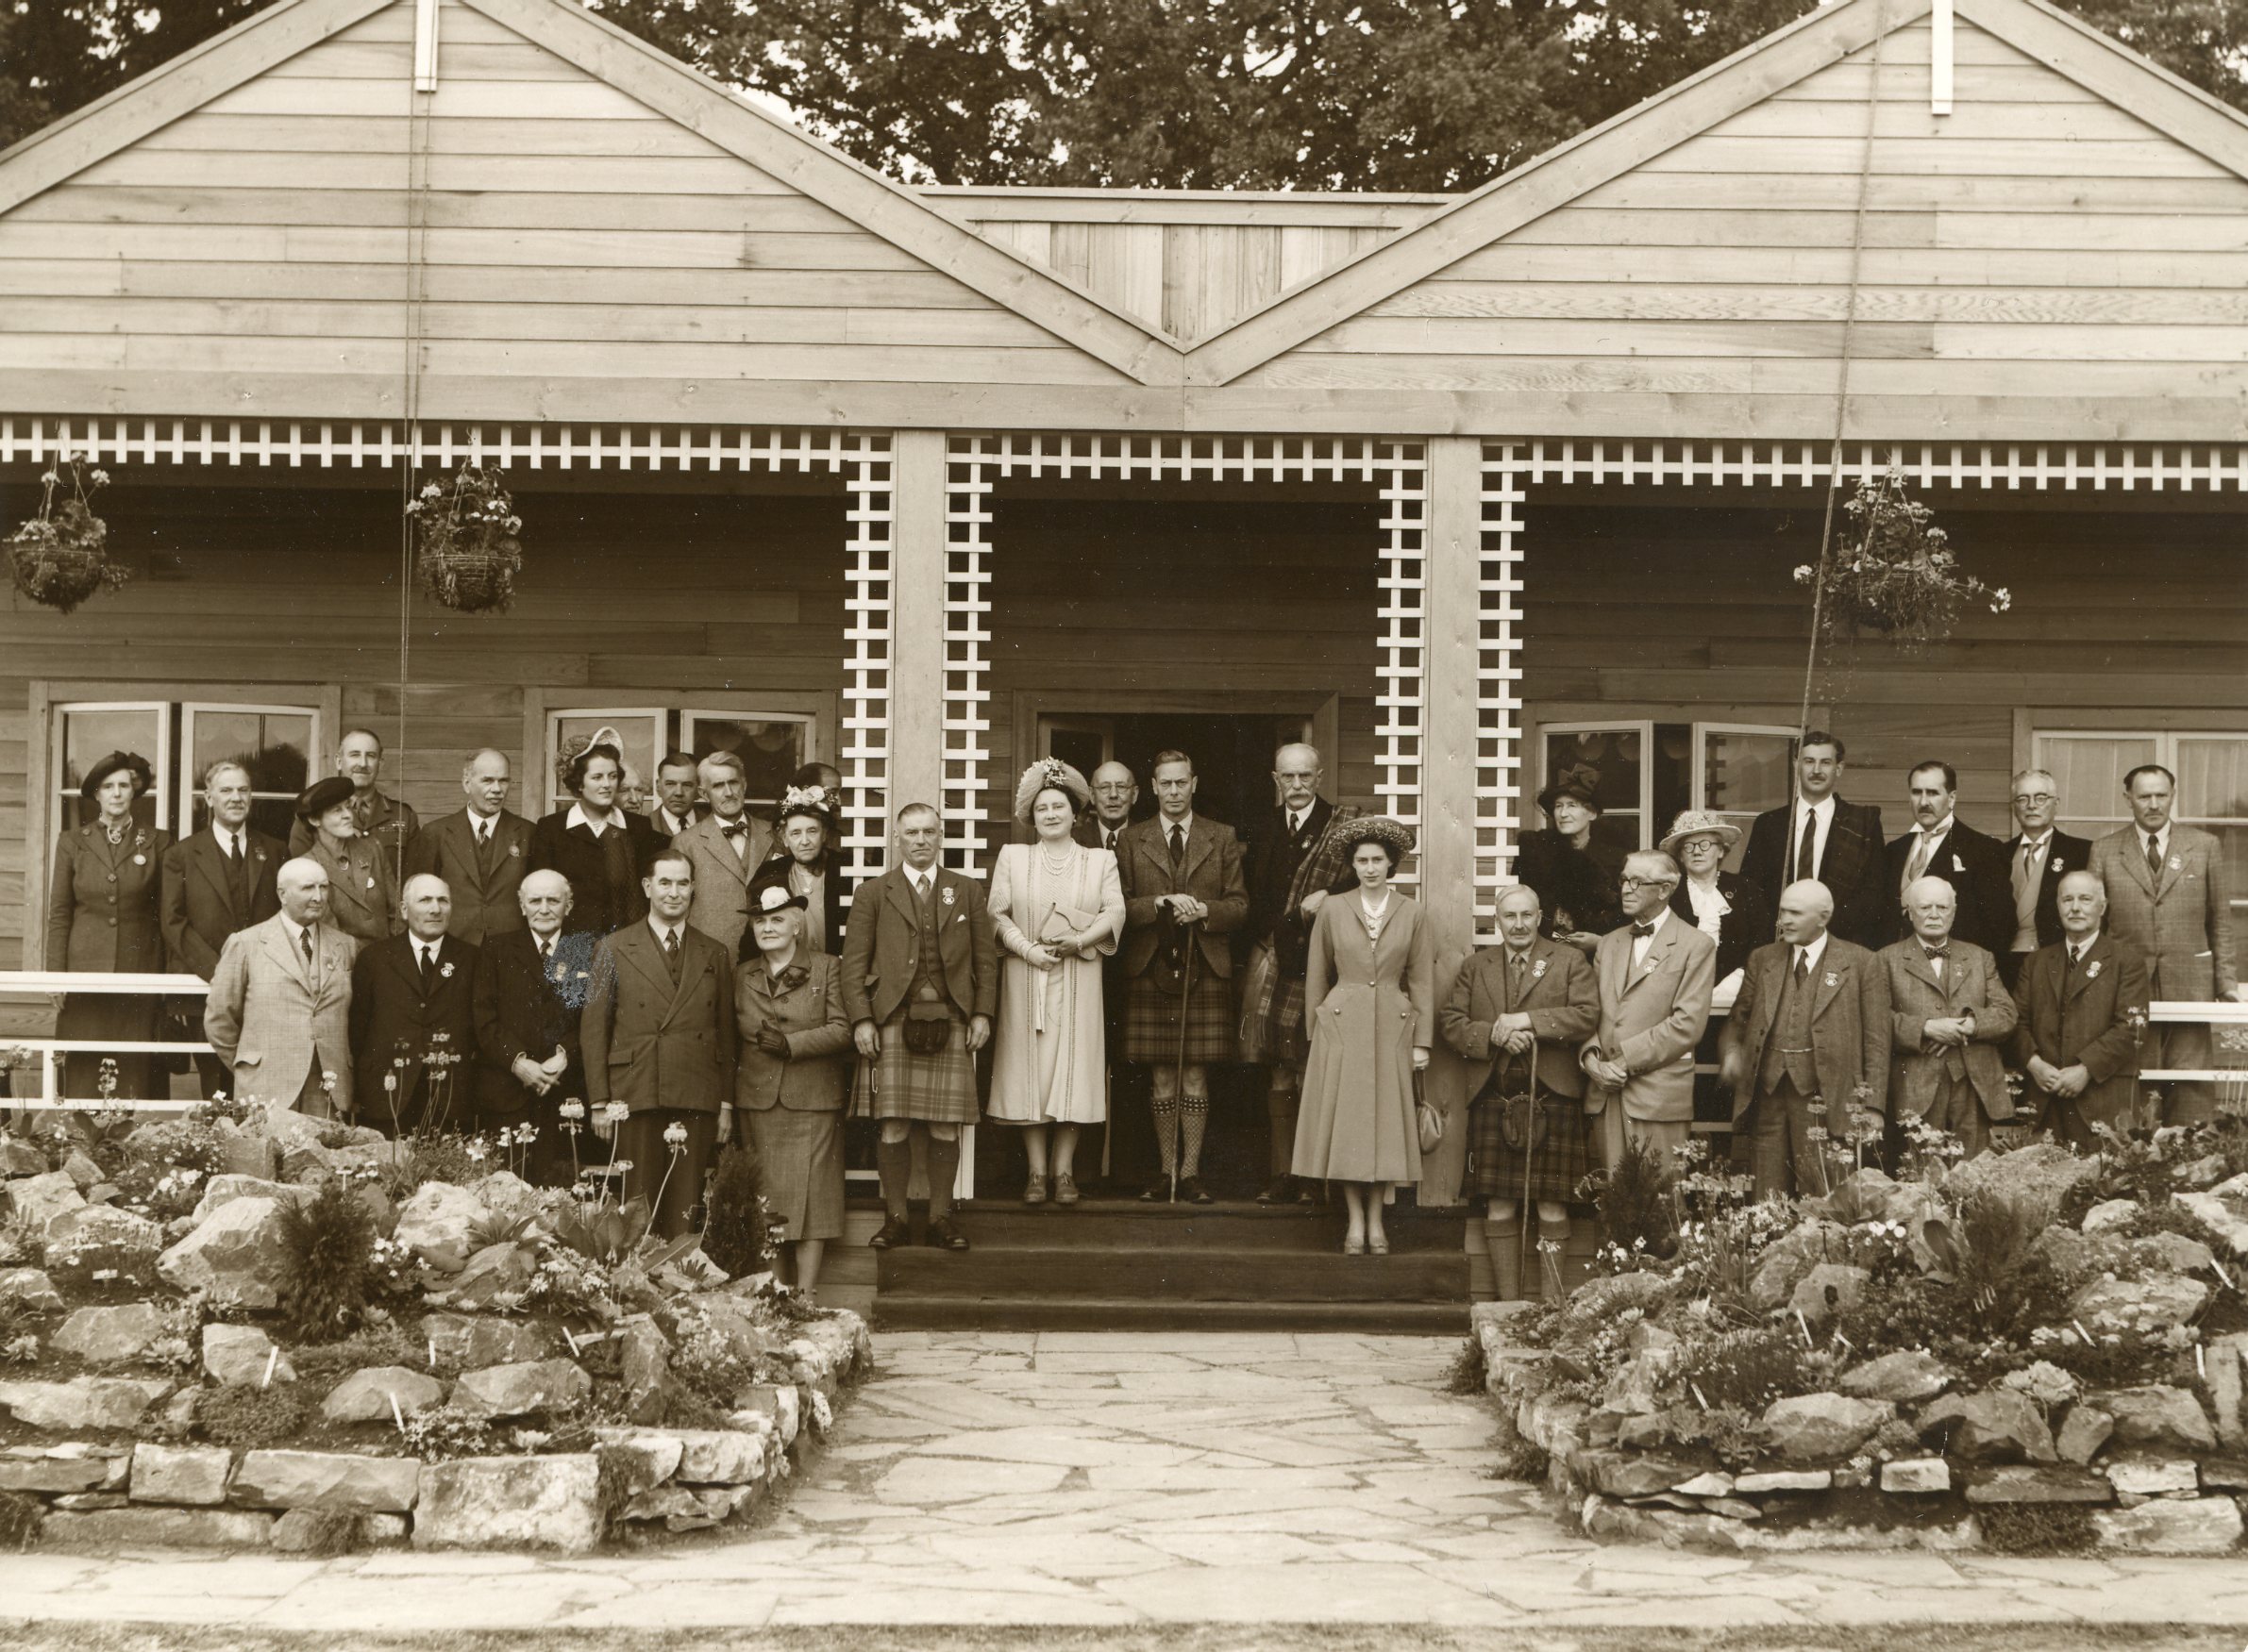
x: 1999, y: 1427
x: 1917, y: 1475
x: 193, y: 1475
x: 509, y: 1197
x: 2172, y: 1253
x: 1715, y: 1483
x: 247, y: 1153
x: 1814, y: 1426
x: 81, y: 1169
x: 366, y: 1397
x: 237, y: 1252
x: 240, y: 1353
x: 2139, y: 1305
x: 511, y: 1502
x: 74, y: 1467
x: 440, y: 1224
x: 497, y: 1276
x: 644, y: 1362
x: 2141, y: 1474
x: 2037, y: 1483
x: 2228, y: 1218
x: 111, y: 1336
x: 1788, y: 1259
x: 2045, y: 1174
x: 96, y: 1242
x: 2157, y: 1415
x: 39, y: 1199
x: 518, y: 1390
x: 2229, y: 1394
x: 222, y: 1191
x: 19, y: 1158
x: 1904, y: 1377
x: 2110, y: 1216
x: 2083, y: 1431
x: 29, y: 1289
x: 326, y: 1479
x: 1828, y: 1288
x: 1616, y: 1474
x: 639, y: 1462
x: 2203, y: 1526
x: 194, y: 1528
x: 467, y: 1342
x: 85, y: 1404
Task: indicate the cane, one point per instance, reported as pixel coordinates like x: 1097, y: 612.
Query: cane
x: 1179, y: 1069
x: 1529, y: 1149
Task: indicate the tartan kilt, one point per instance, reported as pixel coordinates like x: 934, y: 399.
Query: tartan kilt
x: 1560, y: 1159
x: 937, y: 1089
x: 1152, y: 1018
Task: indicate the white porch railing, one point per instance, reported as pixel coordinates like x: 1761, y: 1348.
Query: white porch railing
x: 16, y: 985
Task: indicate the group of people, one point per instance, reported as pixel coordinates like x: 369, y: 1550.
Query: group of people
x: 1880, y: 983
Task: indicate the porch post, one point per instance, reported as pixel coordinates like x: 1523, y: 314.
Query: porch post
x: 918, y: 625
x: 1452, y: 631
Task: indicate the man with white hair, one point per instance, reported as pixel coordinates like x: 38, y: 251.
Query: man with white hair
x: 2082, y: 1003
x: 279, y: 1010
x: 1949, y: 1017
x: 2038, y: 857
x: 531, y: 991
x: 1656, y: 976
x: 726, y: 846
x: 1806, y: 1050
x: 414, y: 1019
x: 479, y: 851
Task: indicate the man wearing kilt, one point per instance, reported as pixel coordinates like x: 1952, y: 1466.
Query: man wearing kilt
x: 1183, y: 894
x: 921, y: 985
x: 1516, y: 1015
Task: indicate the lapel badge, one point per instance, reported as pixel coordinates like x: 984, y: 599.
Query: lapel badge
x: 370, y: 883
x: 1833, y: 979
x: 1958, y: 865
x: 2177, y: 863
x: 445, y: 969
x: 1538, y: 970
x: 947, y: 893
x: 2091, y: 970
x: 139, y: 859
x: 514, y: 851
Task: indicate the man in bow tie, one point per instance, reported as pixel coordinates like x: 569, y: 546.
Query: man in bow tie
x: 2169, y: 898
x: 277, y: 1013
x: 530, y: 990
x: 479, y: 852
x: 1940, y: 845
x: 2083, y: 1017
x: 2038, y: 857
x: 1656, y: 975
x: 388, y: 823
x: 414, y: 1020
x: 1950, y: 1016
x: 725, y: 849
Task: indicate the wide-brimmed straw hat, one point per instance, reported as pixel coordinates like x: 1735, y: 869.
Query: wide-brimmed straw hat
x: 1050, y: 772
x: 1696, y: 822
x: 1393, y: 835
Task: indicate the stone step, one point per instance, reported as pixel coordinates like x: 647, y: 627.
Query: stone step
x: 1130, y: 1225
x: 895, y: 1312
x: 1176, y: 1273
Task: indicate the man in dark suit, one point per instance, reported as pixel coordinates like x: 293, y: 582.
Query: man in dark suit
x: 659, y: 1039
x: 676, y: 783
x: 1818, y: 836
x: 414, y: 1020
x: 531, y: 984
x: 1940, y: 845
x: 1949, y: 1018
x: 2083, y: 1007
x: 2038, y: 857
x: 1274, y: 945
x: 921, y: 985
x: 1806, y: 1045
x: 388, y: 823
x: 1128, y: 1148
x: 1183, y: 895
x: 216, y: 882
x: 480, y: 852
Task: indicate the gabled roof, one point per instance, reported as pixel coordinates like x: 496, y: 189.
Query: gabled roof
x: 1570, y: 169
x: 599, y: 48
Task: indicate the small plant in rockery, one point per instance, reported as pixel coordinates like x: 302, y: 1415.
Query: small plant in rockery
x: 393, y: 1270
x: 1894, y: 575
x: 378, y: 1341
x: 708, y: 1361
x: 1633, y: 1203
x: 736, y: 1233
x: 1469, y: 1367
x: 61, y: 556
x: 1746, y: 1370
x: 441, y: 1434
x: 19, y: 1340
x: 327, y: 1246
x: 468, y: 536
x: 23, y: 1242
x: 571, y: 1285
x: 251, y: 1418
x: 20, y: 1516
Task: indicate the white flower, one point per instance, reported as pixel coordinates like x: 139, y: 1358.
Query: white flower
x: 1804, y: 574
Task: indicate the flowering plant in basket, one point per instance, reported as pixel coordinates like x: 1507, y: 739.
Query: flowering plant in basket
x: 1896, y: 575
x: 61, y: 556
x: 468, y: 529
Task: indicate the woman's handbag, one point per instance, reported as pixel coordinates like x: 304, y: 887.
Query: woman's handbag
x: 1425, y: 1113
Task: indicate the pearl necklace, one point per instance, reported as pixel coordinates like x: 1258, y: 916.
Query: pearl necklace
x: 1054, y: 865
x: 114, y: 832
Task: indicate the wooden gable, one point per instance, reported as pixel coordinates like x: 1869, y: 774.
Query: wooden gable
x: 2045, y: 262
x: 592, y: 245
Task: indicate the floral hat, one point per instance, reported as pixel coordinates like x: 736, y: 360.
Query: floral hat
x: 1049, y: 772
x: 1393, y: 835
x: 814, y: 802
x: 1697, y: 822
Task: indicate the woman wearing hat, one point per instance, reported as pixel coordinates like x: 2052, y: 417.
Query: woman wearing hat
x: 102, y: 915
x: 600, y: 846
x: 362, y: 882
x: 792, y: 1075
x: 1576, y: 874
x: 1058, y: 906
x: 802, y: 865
x: 1370, y: 1000
x: 1723, y: 905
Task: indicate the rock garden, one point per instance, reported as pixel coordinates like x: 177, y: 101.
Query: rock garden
x: 2031, y: 1351
x: 247, y: 1328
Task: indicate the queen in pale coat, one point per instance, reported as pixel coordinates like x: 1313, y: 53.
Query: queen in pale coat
x: 1058, y: 906
x: 1370, y: 1000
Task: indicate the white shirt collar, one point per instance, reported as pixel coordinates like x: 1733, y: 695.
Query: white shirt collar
x: 1941, y: 829
x: 232, y: 839
x: 2037, y: 845
x: 482, y: 824
x: 1823, y: 809
x: 2161, y: 839
x: 577, y: 817
x: 296, y: 930
x: 1813, y: 951
x: 663, y: 931
x: 1654, y: 924
x: 1185, y: 824
x: 423, y: 947
x: 2081, y: 947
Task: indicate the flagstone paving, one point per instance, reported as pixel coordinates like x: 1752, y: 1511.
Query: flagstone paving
x: 1096, y: 1478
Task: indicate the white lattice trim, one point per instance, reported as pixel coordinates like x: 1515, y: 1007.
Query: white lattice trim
x: 864, y: 749
x: 2177, y: 467
x: 1498, y: 672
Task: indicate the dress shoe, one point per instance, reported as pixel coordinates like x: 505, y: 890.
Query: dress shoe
x: 1034, y: 1194
x: 1156, y: 1192
x: 1064, y: 1189
x: 893, y: 1231
x: 944, y: 1234
x: 1282, y: 1192
x: 1192, y: 1192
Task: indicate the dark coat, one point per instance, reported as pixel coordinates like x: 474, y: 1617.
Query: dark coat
x: 103, y: 903
x: 196, y: 911
x: 596, y: 906
x: 1578, y: 887
x: 483, y: 905
x: 395, y: 1018
x: 1850, y: 1026
x: 649, y: 1043
x: 1855, y: 871
x: 1561, y: 997
x: 1740, y: 931
x: 2068, y: 1019
x: 2063, y: 855
x: 814, y: 1076
x: 882, y: 943
x: 1268, y: 862
x: 1974, y: 864
x: 1212, y: 875
x: 521, y: 1010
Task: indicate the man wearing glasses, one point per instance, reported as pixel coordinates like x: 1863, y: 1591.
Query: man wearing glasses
x: 2038, y: 857
x: 1656, y: 976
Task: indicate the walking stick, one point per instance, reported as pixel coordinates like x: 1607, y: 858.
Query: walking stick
x: 1179, y: 1069
x: 1529, y: 1149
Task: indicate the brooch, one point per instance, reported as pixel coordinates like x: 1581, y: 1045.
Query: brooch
x: 2091, y: 971
x: 370, y: 883
x: 1538, y: 970
x: 2177, y: 863
x: 139, y: 859
x: 1833, y: 979
x: 514, y: 851
x: 445, y: 970
x: 948, y: 892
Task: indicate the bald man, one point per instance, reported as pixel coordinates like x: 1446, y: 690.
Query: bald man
x: 414, y: 1020
x: 2083, y: 1018
x: 479, y: 851
x: 1950, y: 1015
x: 531, y: 988
x: 1808, y: 1039
x: 278, y: 1012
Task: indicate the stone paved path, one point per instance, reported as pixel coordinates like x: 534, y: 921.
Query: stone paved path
x: 1096, y: 1478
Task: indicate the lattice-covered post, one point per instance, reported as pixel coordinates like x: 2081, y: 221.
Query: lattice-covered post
x: 1400, y: 687
x: 968, y: 644
x: 1498, y: 683
x: 864, y: 754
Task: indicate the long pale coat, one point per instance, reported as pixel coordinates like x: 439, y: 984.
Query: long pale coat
x: 1368, y: 1004
x: 271, y: 1018
x: 1049, y: 1058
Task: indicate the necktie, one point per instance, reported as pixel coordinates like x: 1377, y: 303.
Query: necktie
x: 1802, y: 967
x: 304, y: 940
x: 545, y: 954
x: 1805, y: 862
x: 2075, y: 958
x: 1294, y: 824
x: 233, y: 847
x: 1921, y: 856
x: 2154, y: 856
x: 1641, y: 931
x: 671, y: 954
x: 421, y: 956
x: 1178, y: 844
x: 1111, y: 836
x: 1515, y: 962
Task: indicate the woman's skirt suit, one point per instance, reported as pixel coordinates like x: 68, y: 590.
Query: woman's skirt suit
x: 102, y: 915
x: 1369, y: 999
x: 791, y: 1107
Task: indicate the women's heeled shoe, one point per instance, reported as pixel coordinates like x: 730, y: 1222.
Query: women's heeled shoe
x: 1379, y: 1246
x: 1353, y: 1247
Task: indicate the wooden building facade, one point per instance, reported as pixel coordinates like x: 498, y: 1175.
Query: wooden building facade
x: 926, y: 483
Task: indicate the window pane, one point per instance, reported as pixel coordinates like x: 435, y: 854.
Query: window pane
x: 1607, y: 763
x: 2212, y: 778
x: 635, y: 733
x: 1742, y: 776
x: 274, y: 746
x: 88, y: 736
x: 1673, y: 777
x: 771, y: 749
x: 2090, y: 771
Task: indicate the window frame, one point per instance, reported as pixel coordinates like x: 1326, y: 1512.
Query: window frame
x: 1643, y: 726
x: 813, y: 748
x: 187, y: 783
x: 2163, y: 731
x: 1698, y: 789
x: 543, y: 707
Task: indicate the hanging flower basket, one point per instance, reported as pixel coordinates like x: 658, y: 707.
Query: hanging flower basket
x: 1895, y: 575
x: 61, y: 556
x: 467, y: 529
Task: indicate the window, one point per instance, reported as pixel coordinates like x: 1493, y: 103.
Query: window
x: 86, y: 732
x: 1644, y: 774
x: 2212, y: 769
x: 772, y: 745
x: 181, y: 740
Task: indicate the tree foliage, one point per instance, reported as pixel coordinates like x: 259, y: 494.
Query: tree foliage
x: 1363, y: 95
